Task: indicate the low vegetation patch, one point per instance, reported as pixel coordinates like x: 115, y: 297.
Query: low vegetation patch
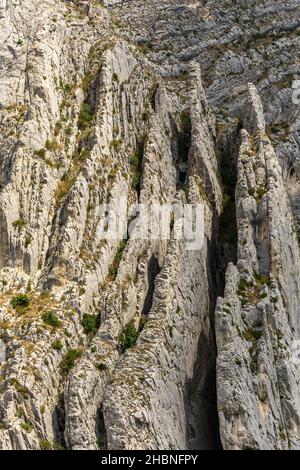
x: 70, y: 359
x: 26, y: 426
x: 252, y: 335
x: 116, y: 144
x: 250, y: 291
x: 51, y: 319
x: 20, y: 300
x: 19, y: 224
x: 45, y: 445
x: 52, y: 145
x: 41, y: 153
x: 136, y: 163
x: 89, y: 323
x: 262, y: 279
x: 20, y: 388
x: 113, y: 269
x: 57, y: 345
x: 85, y: 117
x: 128, y: 337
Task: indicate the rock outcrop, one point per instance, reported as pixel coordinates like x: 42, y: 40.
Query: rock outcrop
x: 128, y: 341
x: 257, y: 320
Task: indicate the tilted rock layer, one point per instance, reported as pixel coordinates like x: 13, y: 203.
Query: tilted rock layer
x: 164, y: 102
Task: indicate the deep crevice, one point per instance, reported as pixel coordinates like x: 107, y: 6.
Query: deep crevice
x: 101, y: 430
x: 201, y: 400
x: 136, y: 164
x: 181, y: 144
x: 153, y: 95
x: 227, y: 150
x: 153, y: 271
x: 58, y: 422
x: 201, y: 396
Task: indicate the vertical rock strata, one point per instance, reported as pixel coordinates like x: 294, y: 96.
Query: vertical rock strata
x: 148, y: 101
x: 134, y: 394
x: 257, y: 322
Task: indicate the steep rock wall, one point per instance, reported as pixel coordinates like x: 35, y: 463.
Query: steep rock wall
x: 257, y: 320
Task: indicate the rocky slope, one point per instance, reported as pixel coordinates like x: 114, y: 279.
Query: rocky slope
x: 161, y: 102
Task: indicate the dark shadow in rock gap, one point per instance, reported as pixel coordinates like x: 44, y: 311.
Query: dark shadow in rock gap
x: 58, y: 423
x: 201, y: 400
x: 100, y: 430
x: 153, y: 271
x: 181, y: 143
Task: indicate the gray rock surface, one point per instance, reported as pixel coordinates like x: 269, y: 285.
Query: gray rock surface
x: 257, y: 321
x: 150, y: 100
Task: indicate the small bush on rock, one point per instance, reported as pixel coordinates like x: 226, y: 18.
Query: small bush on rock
x: 70, y: 359
x: 20, y: 300
x: 57, y: 345
x: 45, y: 445
x: 51, y: 319
x: 89, y: 323
x: 85, y: 117
x: 128, y: 337
x: 19, y: 224
x: 27, y: 426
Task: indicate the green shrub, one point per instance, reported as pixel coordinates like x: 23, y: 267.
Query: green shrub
x: 45, y: 445
x: 69, y: 360
x: 67, y: 88
x: 69, y: 130
x: 145, y: 116
x: 84, y: 154
x: 51, y: 145
x: 135, y: 181
x: 57, y: 128
x: 136, y: 162
x: 244, y: 286
x: 260, y: 192
x: 128, y: 337
x: 170, y: 328
x: 51, y: 319
x: 28, y: 240
x: 20, y: 388
x: 27, y: 426
x: 116, y: 144
x: 89, y: 323
x: 19, y: 224
x: 57, y: 345
x: 101, y: 366
x: 263, y: 278
x: 20, y: 300
x: 101, y: 442
x: 40, y: 153
x: 85, y: 117
x: 20, y: 413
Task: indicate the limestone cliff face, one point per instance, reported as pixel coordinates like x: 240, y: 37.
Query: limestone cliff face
x: 257, y: 321
x: 151, y: 101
